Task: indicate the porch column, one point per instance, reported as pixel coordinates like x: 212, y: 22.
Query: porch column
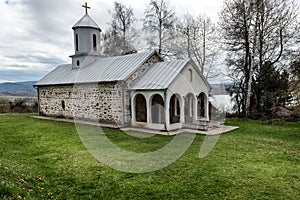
x: 166, y: 111
x: 133, y: 118
x: 148, y: 105
x: 182, y: 114
x: 207, y: 107
x: 195, y: 108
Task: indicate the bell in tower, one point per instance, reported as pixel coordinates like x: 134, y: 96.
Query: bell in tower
x: 86, y: 40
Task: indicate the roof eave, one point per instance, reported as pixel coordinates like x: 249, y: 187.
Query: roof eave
x: 146, y: 89
x: 54, y: 84
x: 86, y: 26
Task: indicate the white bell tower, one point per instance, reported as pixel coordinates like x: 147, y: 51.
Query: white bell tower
x: 86, y: 41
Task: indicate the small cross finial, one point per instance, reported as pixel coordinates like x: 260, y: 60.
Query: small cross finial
x: 86, y: 8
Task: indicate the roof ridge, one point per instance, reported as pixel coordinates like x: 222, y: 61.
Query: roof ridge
x: 160, y: 75
x: 177, y: 60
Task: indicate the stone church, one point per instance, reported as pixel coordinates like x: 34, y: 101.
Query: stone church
x: 138, y: 90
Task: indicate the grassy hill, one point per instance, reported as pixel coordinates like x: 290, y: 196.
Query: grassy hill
x: 46, y: 160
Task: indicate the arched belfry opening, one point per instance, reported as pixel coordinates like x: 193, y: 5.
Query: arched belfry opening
x: 94, y: 42
x: 76, y: 42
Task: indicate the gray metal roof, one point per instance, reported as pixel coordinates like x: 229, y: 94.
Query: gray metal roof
x: 160, y: 75
x: 100, y: 70
x: 86, y: 21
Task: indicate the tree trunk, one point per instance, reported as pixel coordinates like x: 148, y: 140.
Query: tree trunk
x: 252, y: 63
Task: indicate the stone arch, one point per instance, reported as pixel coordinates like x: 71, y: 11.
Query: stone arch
x: 202, y: 105
x: 189, y: 107
x: 157, y: 109
x: 175, y: 109
x: 140, y: 108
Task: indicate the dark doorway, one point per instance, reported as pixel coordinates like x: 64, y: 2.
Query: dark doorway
x: 174, y: 109
x: 201, y: 105
x: 140, y: 108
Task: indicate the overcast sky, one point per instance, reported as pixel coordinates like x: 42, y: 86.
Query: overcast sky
x: 36, y: 35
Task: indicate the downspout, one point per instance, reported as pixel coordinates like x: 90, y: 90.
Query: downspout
x: 165, y: 109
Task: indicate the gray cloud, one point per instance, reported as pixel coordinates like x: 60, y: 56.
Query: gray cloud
x: 36, y: 35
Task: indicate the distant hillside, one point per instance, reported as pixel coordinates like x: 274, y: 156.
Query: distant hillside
x: 220, y: 89
x: 18, y: 89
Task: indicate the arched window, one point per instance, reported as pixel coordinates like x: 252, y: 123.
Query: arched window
x: 94, y: 42
x: 76, y: 42
x: 191, y: 74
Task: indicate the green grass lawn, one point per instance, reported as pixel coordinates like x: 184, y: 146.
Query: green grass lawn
x: 46, y: 160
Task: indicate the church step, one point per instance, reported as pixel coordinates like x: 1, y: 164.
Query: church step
x: 200, y: 125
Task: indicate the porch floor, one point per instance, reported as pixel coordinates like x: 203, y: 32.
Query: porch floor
x: 210, y: 131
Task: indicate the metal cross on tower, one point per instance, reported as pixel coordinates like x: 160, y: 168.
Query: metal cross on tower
x: 86, y: 8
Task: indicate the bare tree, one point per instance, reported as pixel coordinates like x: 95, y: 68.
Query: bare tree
x: 114, y: 44
x: 257, y: 33
x: 118, y: 37
x: 160, y: 20
x: 198, y: 39
x: 184, y: 36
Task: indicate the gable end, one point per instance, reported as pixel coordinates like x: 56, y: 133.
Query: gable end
x: 135, y: 76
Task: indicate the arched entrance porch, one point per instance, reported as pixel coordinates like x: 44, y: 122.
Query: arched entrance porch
x: 157, y: 109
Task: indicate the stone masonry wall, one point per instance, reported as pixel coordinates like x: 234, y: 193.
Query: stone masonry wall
x: 99, y: 102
